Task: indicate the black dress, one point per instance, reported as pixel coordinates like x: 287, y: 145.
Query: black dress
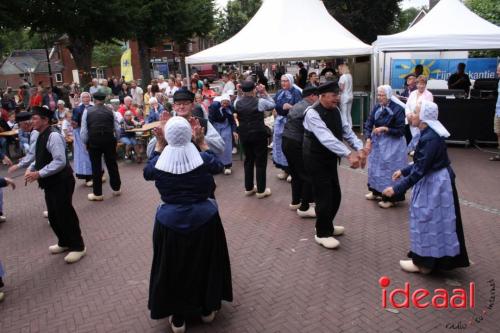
x: 190, y: 273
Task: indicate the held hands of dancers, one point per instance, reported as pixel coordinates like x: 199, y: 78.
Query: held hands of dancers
x: 7, y: 161
x: 368, y: 147
x: 388, y: 192
x: 13, y: 168
x: 261, y: 89
x: 354, y: 160
x: 31, y: 176
x: 362, y: 157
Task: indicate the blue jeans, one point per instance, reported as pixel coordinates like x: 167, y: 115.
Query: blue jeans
x: 128, y: 141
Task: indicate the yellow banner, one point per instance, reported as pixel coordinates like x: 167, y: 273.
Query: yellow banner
x: 126, y: 65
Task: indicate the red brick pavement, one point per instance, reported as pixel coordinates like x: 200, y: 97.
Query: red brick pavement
x: 283, y: 281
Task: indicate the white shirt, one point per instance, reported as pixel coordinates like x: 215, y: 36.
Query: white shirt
x: 137, y: 94
x: 346, y: 81
x: 229, y: 86
x: 93, y: 90
x: 170, y: 91
x: 67, y: 128
x: 415, y: 98
x: 163, y: 86
x: 313, y: 123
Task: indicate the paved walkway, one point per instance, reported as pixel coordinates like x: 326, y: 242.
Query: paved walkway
x: 282, y: 280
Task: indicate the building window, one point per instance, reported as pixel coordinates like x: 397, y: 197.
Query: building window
x: 59, y: 77
x: 168, y: 47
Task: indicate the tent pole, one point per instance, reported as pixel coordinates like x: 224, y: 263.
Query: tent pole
x: 383, y: 70
x: 187, y: 74
x: 375, y: 59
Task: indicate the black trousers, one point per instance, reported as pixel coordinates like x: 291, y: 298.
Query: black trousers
x: 99, y: 146
x: 301, y: 185
x: 62, y: 215
x: 255, y: 157
x: 408, y: 135
x: 326, y: 191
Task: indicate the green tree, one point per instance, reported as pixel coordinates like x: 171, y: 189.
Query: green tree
x: 19, y: 39
x: 107, y: 54
x: 233, y: 18
x: 84, y: 22
x: 489, y: 10
x: 365, y: 18
x: 404, y: 19
x: 178, y: 20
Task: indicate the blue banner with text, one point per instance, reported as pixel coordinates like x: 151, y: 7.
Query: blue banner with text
x: 441, y: 69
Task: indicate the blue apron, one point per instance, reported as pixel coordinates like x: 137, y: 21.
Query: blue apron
x: 278, y: 156
x: 387, y: 156
x: 432, y: 217
x: 81, y: 161
x: 226, y: 133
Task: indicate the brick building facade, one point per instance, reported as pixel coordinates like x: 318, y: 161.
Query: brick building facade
x: 32, y: 64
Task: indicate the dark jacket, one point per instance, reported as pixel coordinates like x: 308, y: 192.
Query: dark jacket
x: 46, y: 99
x: 217, y: 114
x: 430, y: 155
x: 294, y: 127
x: 191, y: 187
x: 392, y: 116
x: 291, y: 96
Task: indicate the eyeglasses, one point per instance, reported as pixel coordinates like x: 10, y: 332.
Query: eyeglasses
x: 186, y: 103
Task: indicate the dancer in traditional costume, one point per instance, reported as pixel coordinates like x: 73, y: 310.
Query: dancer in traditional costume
x: 385, y: 141
x: 190, y: 273
x: 324, y: 132
x: 221, y: 116
x: 436, y: 232
x: 293, y: 136
x: 284, y: 99
x: 81, y: 158
x: 53, y: 172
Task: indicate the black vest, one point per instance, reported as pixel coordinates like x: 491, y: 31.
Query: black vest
x: 100, y: 122
x: 333, y: 121
x: 294, y: 127
x: 250, y: 118
x: 44, y: 157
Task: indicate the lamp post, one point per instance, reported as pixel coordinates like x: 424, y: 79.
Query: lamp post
x: 48, y: 59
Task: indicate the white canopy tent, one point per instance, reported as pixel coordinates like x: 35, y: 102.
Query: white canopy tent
x: 450, y: 25
x: 280, y: 31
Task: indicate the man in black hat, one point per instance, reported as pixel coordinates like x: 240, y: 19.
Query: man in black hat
x: 183, y: 107
x: 100, y: 131
x: 54, y: 175
x: 324, y: 130
x: 250, y: 106
x: 293, y: 136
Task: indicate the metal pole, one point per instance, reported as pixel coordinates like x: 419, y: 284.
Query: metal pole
x: 187, y: 74
x: 48, y: 60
